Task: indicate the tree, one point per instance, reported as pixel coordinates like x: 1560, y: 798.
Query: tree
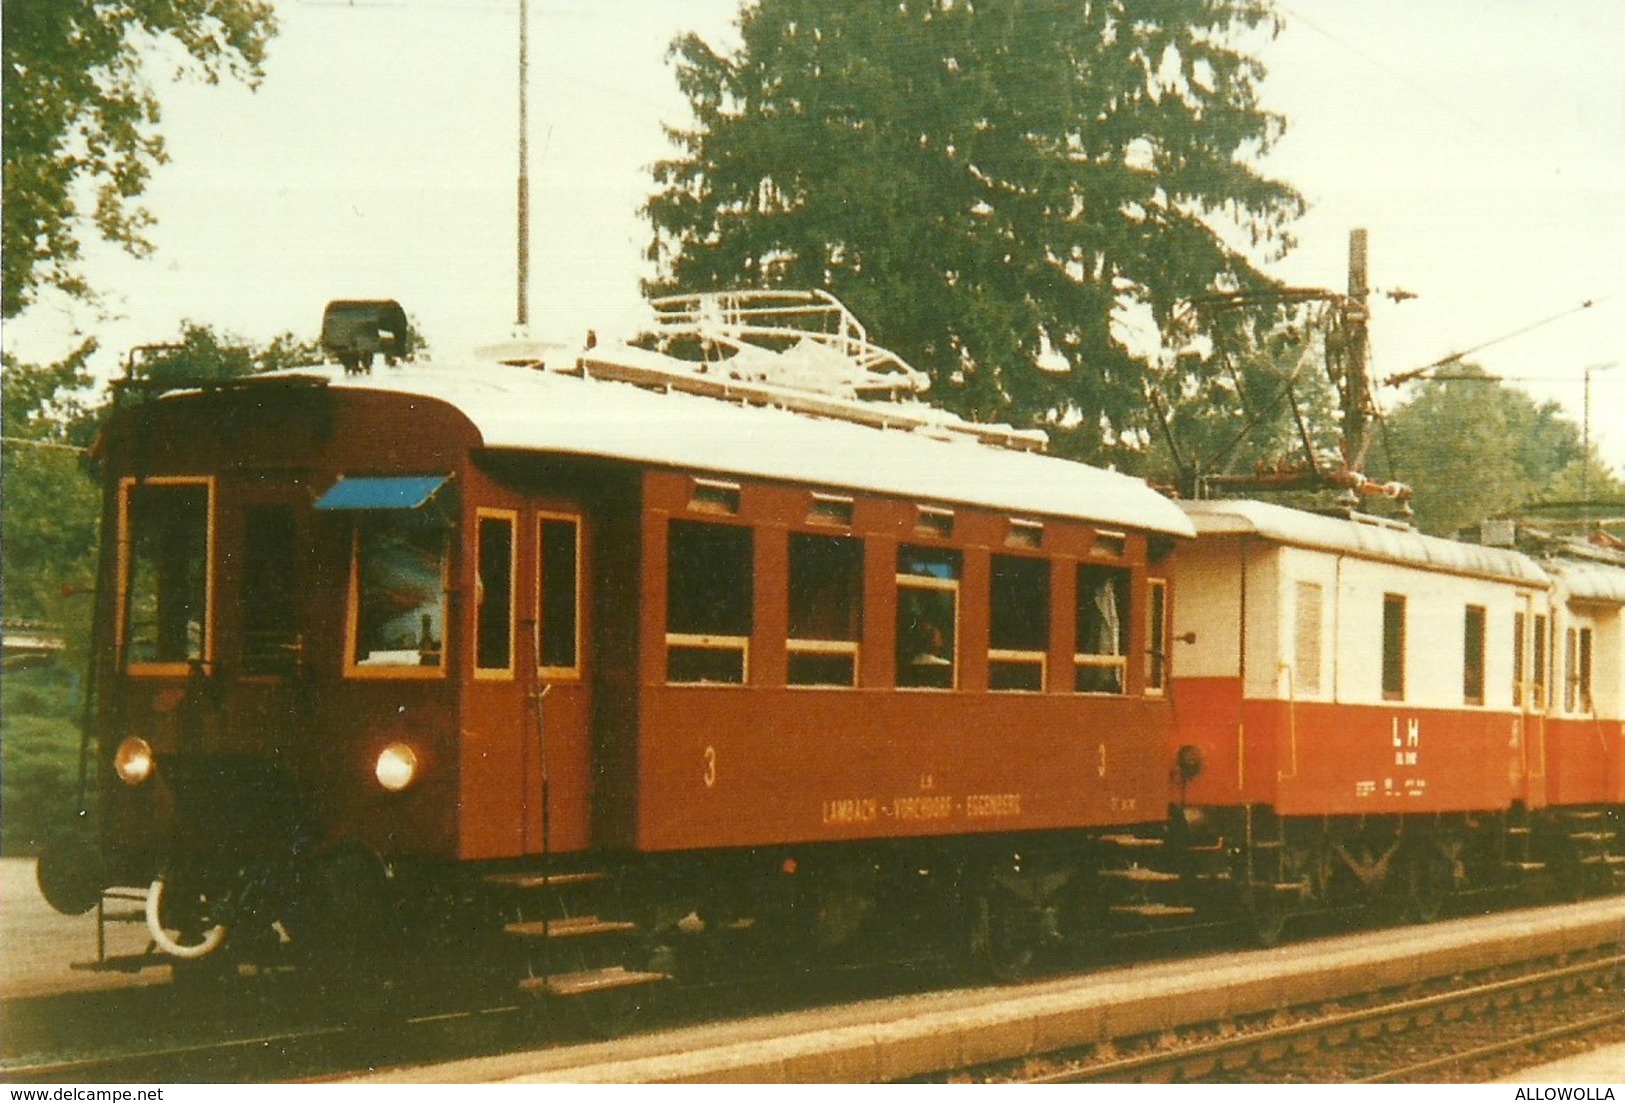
x: 1472, y: 448
x: 998, y: 188
x: 81, y: 120
x: 205, y: 355
x: 1249, y: 396
x: 48, y: 526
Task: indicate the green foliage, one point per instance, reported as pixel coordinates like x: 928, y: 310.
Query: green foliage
x: 39, y: 755
x: 1251, y: 397
x: 993, y: 186
x: 48, y: 526
x: 204, y: 355
x: 81, y: 120
x: 1472, y: 448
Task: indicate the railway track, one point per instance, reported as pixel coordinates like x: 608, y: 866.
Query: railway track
x: 1158, y: 1021
x: 1398, y: 1038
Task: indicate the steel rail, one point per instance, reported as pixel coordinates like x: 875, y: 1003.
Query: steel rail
x: 1273, y: 1044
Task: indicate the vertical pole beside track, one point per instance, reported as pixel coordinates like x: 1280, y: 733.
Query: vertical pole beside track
x: 522, y: 310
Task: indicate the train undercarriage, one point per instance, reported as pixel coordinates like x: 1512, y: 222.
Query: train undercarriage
x: 597, y: 936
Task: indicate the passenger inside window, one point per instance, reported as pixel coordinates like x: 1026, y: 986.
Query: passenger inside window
x: 927, y: 618
x: 1103, y: 623
x: 401, y: 583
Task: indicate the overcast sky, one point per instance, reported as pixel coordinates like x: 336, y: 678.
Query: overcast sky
x: 1481, y: 143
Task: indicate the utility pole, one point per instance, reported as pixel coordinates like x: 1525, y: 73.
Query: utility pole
x: 1356, y: 386
x: 522, y: 313
x: 1585, y: 439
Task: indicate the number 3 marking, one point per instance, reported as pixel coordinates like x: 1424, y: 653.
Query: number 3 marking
x: 1101, y: 769
x: 710, y: 767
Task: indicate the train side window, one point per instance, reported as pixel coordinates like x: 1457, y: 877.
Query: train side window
x: 1103, y: 618
x: 1519, y: 665
x: 560, y: 602
x: 398, y: 612
x: 826, y: 610
x: 1584, y: 676
x: 1018, y: 609
x: 1306, y: 647
x: 1542, y: 653
x: 1156, y: 652
x: 167, y: 552
x: 269, y: 618
x: 1472, y: 656
x: 708, y: 603
x: 494, y: 588
x: 927, y: 618
x: 1393, y: 647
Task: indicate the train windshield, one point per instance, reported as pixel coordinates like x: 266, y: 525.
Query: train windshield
x: 400, y: 589
x: 165, y: 614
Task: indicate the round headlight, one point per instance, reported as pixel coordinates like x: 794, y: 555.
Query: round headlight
x: 397, y: 765
x: 133, y: 760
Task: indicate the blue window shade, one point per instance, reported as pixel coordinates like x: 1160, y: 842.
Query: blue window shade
x: 391, y: 492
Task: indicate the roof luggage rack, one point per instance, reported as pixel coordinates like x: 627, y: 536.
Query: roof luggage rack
x: 795, y: 350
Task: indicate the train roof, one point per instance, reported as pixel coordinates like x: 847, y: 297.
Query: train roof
x: 525, y: 409
x: 1370, y: 538
x: 1589, y: 580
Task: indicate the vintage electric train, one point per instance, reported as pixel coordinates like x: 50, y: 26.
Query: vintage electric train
x: 566, y: 661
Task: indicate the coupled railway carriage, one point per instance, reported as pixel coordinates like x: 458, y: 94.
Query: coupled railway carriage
x: 554, y: 667
x: 379, y: 647
x: 1376, y: 711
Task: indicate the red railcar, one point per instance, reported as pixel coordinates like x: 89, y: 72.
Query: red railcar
x: 460, y: 646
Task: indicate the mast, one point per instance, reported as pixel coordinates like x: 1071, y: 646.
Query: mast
x: 522, y: 311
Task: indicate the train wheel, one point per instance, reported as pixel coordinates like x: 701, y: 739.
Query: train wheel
x: 1004, y: 934
x: 1264, y: 913
x: 1427, y: 884
x: 182, y: 920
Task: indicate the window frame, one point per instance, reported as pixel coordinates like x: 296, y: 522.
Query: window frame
x: 1017, y: 656
x: 511, y: 516
x: 1393, y: 666
x: 163, y: 669
x: 1474, y: 661
x: 808, y: 645
x: 710, y: 641
x: 1099, y: 660
x: 401, y: 671
x: 574, y: 672
x: 285, y: 657
x: 930, y: 583
x: 1158, y: 633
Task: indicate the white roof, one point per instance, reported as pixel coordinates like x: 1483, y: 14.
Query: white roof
x: 1369, y: 538
x: 530, y: 410
x: 1589, y: 580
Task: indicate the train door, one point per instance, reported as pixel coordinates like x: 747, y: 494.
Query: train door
x: 562, y: 695
x: 1531, y: 667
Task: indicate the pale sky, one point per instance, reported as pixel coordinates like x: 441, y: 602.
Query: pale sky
x: 1480, y: 142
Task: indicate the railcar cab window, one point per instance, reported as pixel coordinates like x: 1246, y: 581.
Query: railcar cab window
x: 1577, y: 670
x: 166, y: 580
x: 826, y: 610
x: 398, y: 614
x: 1019, y: 607
x: 271, y: 644
x: 927, y: 618
x: 709, y: 588
x: 494, y: 590
x: 1103, y: 619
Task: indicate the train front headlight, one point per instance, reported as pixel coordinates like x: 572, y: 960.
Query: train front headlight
x: 133, y: 760
x: 397, y: 767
